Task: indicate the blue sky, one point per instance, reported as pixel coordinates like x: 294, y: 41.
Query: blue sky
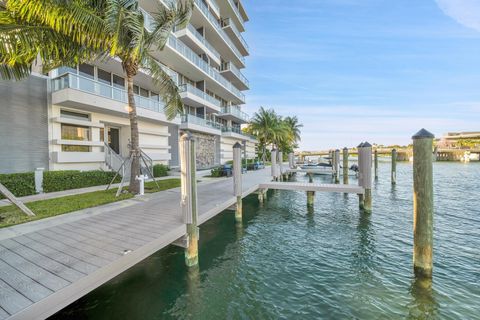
x: 375, y: 70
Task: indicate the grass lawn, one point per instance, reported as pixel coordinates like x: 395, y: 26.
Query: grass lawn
x: 10, y: 215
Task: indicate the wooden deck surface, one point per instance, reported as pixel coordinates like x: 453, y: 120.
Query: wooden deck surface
x: 45, y: 270
x: 305, y: 186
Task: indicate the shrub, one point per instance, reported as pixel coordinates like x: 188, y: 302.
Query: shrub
x: 66, y: 180
x: 160, y: 170
x: 216, y: 172
x: 20, y: 184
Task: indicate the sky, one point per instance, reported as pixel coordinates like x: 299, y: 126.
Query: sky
x: 366, y: 70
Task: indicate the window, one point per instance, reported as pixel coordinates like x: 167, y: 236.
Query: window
x: 87, y: 70
x: 74, y: 115
x: 118, y: 82
x: 154, y: 96
x: 144, y: 92
x: 136, y: 89
x: 75, y: 132
x: 104, y: 76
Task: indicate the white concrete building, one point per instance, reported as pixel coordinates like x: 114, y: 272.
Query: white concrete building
x: 87, y: 120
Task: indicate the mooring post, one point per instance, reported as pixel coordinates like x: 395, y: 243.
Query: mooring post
x: 273, y: 157
x: 367, y: 176
x: 376, y: 164
x: 280, y: 164
x: 360, y: 174
x: 394, y: 166
x: 337, y: 166
x: 237, y: 179
x: 423, y: 203
x: 189, y: 196
x: 345, y: 165
x: 310, y: 194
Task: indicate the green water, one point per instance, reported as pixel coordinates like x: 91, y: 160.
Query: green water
x: 331, y: 262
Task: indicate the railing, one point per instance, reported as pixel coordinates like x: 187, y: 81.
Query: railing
x: 188, y: 118
x: 148, y: 163
x: 217, y: 25
x: 234, y: 110
x: 203, y: 40
x: 188, y: 53
x: 228, y: 23
x: 237, y: 11
x: 81, y: 83
x: 215, y: 5
x: 114, y: 161
x: 199, y: 62
x: 199, y: 93
x: 230, y: 66
x: 237, y: 130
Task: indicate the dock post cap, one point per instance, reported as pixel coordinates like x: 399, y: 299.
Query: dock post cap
x: 345, y: 148
x: 338, y: 150
x: 423, y: 134
x: 360, y: 145
x: 237, y: 145
x: 394, y: 150
x: 366, y: 145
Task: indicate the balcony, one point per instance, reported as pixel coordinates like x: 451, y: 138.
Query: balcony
x: 237, y: 133
x: 195, y: 40
x: 232, y: 73
x: 214, y: 7
x: 232, y: 30
x: 220, y: 37
x: 193, y: 123
x: 235, y: 114
x: 74, y: 90
x: 236, y: 10
x: 197, y: 98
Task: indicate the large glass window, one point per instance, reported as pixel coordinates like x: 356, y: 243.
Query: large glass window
x: 118, y: 82
x: 78, y: 133
x: 87, y: 70
x: 74, y: 115
x: 104, y: 76
x: 144, y: 92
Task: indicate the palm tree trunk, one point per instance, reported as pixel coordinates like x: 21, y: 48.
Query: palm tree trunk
x: 134, y: 139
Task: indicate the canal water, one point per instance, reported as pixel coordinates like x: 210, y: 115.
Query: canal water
x: 330, y: 262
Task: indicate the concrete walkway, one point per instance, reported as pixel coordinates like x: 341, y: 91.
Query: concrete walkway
x: 47, y: 265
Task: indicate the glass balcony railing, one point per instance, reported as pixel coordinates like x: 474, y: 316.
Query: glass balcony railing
x: 237, y: 11
x: 188, y: 118
x: 217, y: 25
x: 234, y: 110
x: 188, y: 53
x: 231, y: 67
x: 204, y: 41
x: 215, y: 5
x: 81, y: 83
x: 237, y: 130
x: 199, y: 62
x: 228, y: 23
x: 199, y: 93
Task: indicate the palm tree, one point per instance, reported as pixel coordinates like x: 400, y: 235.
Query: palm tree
x: 295, y: 128
x: 68, y: 32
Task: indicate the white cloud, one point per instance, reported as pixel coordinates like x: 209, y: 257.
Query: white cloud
x: 465, y: 12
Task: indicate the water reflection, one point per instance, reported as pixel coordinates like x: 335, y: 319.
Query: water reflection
x: 364, y: 254
x: 423, y: 305
x: 193, y: 296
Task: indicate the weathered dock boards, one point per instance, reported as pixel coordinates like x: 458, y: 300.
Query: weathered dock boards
x: 45, y: 270
x: 301, y: 186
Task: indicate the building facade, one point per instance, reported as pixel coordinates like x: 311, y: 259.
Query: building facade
x: 82, y: 113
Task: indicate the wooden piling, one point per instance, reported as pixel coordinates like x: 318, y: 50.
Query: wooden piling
x: 237, y: 179
x: 273, y: 157
x: 291, y: 160
x: 360, y: 174
x: 423, y: 203
x: 394, y: 166
x: 280, y: 165
x: 367, y: 176
x: 337, y: 166
x: 310, y: 194
x: 189, y: 196
x: 376, y: 164
x: 345, y: 165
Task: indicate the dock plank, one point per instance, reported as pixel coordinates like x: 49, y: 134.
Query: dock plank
x: 27, y: 286
x: 11, y: 300
x: 40, y: 275
x: 301, y: 186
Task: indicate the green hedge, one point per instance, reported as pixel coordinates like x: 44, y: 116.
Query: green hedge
x: 160, y: 170
x: 20, y: 184
x: 66, y: 180
x: 216, y: 172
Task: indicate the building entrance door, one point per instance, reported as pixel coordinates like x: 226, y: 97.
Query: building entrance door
x: 114, y: 139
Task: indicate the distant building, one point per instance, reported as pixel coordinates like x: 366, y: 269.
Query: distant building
x: 460, y: 140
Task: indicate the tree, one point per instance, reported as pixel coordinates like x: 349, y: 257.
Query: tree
x: 58, y: 33
x: 275, y: 131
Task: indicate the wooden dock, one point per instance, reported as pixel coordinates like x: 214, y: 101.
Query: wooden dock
x: 46, y: 269
x: 317, y: 187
